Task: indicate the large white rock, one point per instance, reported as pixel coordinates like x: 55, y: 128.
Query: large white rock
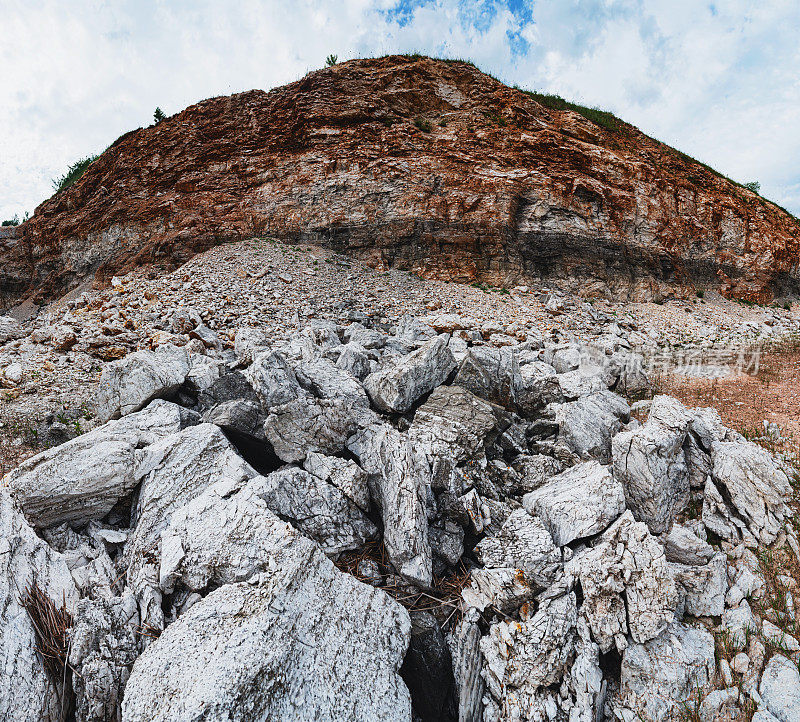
x: 780, y: 689
x: 504, y: 588
x: 397, y: 388
x: 301, y: 642
x: 586, y: 426
x: 400, y: 476
x: 318, y: 509
x: 650, y: 463
x: 309, y: 424
x: 524, y: 543
x: 132, y: 382
x: 26, y: 692
x: 522, y: 657
x: 755, y: 484
x: 224, y: 535
x: 627, y: 585
x: 660, y: 674
x: 703, y: 587
x: 577, y: 503
x: 249, y: 342
x: 538, y: 385
x: 104, y: 643
x: 178, y: 468
x: 344, y: 474
x: 491, y: 373
x: 82, y: 479
x: 273, y: 379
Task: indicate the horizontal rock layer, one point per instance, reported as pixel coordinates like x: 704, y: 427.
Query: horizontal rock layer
x: 426, y: 165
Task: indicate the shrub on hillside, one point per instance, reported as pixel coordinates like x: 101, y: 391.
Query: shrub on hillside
x: 331, y: 60
x: 12, y: 221
x: 73, y: 174
x: 158, y: 116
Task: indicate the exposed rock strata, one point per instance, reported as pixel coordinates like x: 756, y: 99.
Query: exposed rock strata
x: 499, y: 188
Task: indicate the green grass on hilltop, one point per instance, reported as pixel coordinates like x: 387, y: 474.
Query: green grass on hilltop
x: 73, y: 174
x: 603, y: 118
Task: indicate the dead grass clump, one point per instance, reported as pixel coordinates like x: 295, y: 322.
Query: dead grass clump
x: 442, y: 598
x: 51, y: 625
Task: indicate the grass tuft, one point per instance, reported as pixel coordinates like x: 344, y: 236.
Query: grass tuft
x: 51, y: 625
x: 73, y: 174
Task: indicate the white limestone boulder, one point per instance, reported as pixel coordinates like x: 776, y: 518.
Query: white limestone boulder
x: 132, y: 382
x: 83, y: 478
x: 580, y: 502
x: 397, y: 388
x: 301, y: 642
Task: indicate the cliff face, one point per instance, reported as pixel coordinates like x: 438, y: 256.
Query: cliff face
x: 417, y: 163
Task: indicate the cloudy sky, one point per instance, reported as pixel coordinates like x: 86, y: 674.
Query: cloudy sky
x: 719, y: 80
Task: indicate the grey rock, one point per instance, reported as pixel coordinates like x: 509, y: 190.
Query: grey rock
x: 504, y: 588
x: 326, y: 381
x: 522, y: 657
x: 240, y: 416
x: 522, y: 543
x: 650, y: 463
x: 626, y: 560
x: 660, y: 674
x: 308, y: 425
x: 464, y: 642
x: 716, y: 515
x: 534, y: 471
x: 538, y: 385
x: 738, y: 623
x: 780, y: 689
x: 303, y: 642
x: 400, y: 477
x: 248, y: 343
x: 318, y: 509
x: 757, y: 487
x: 132, y: 382
x: 345, y: 475
x: 586, y: 426
x: 27, y: 694
x: 703, y: 586
x: 103, y: 647
x: 224, y: 535
x: 579, y: 502
x: 10, y: 329
x: 491, y: 373
x: 66, y: 483
x: 354, y: 360
x: 684, y: 546
x: 273, y: 380
x: 178, y: 468
x: 414, y: 331
x: 397, y: 388
x: 778, y: 638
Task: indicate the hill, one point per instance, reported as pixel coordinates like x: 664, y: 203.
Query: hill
x: 415, y: 163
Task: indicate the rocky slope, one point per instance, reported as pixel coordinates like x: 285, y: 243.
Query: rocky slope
x: 414, y: 163
x: 396, y: 521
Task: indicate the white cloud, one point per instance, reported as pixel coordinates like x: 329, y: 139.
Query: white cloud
x: 717, y: 80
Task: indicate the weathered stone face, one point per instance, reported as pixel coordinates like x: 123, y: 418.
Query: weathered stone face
x: 499, y: 188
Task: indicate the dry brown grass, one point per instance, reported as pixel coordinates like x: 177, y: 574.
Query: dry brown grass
x: 51, y: 625
x: 745, y: 401
x: 442, y: 598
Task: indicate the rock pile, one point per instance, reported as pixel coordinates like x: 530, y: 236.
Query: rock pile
x: 364, y: 525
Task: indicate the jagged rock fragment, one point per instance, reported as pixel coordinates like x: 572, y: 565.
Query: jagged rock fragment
x: 302, y: 642
x: 132, y: 382
x: 397, y: 388
x: 577, y: 503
